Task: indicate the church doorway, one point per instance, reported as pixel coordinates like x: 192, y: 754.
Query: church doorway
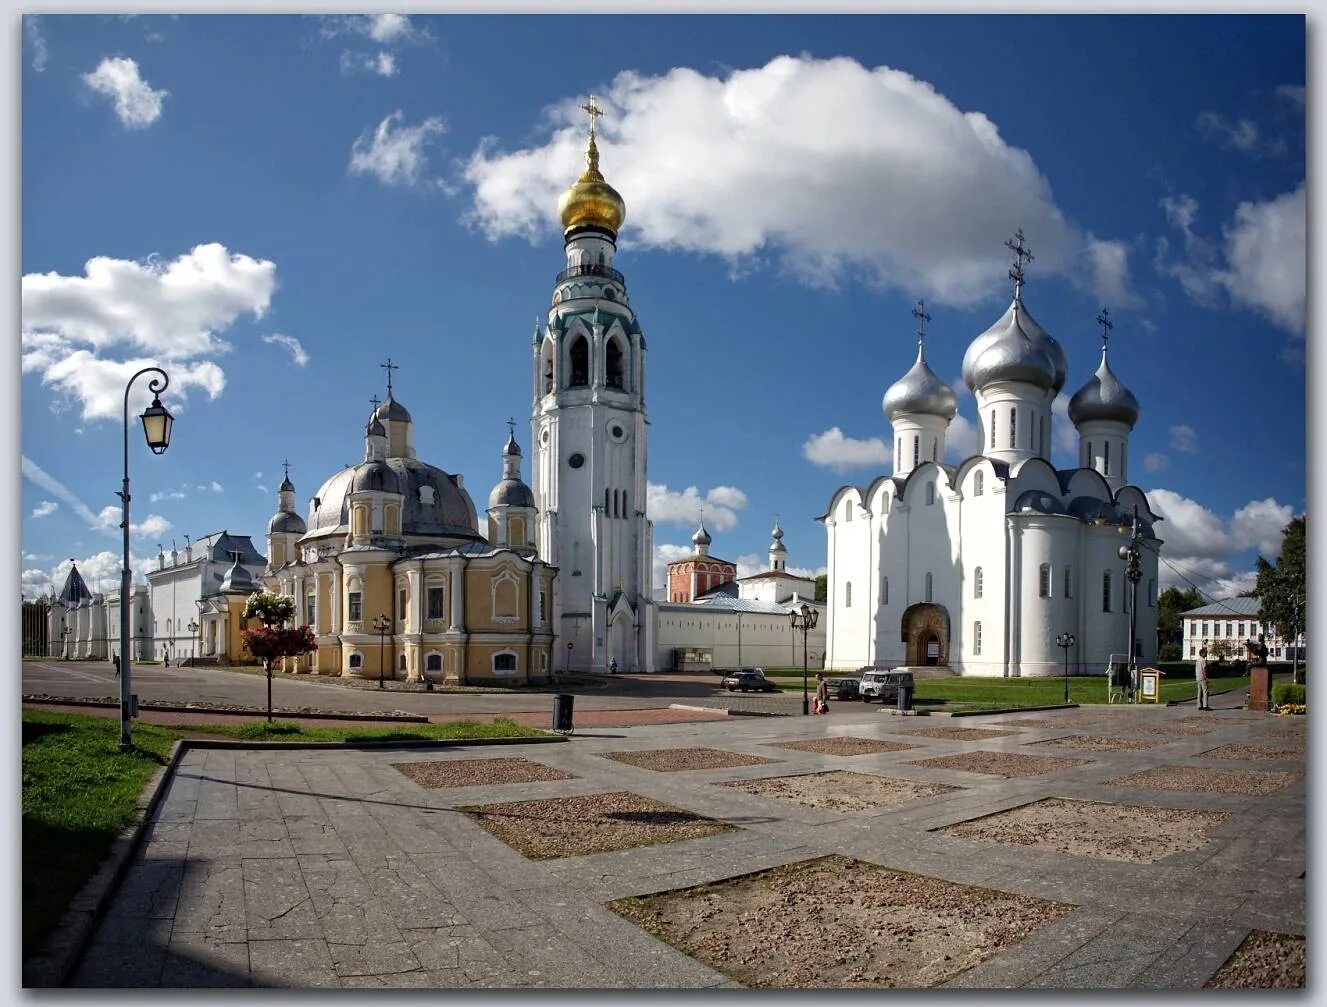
x: 926, y: 634
x: 619, y: 643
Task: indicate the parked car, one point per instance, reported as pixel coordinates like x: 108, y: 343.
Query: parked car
x: 884, y: 685
x: 748, y: 680
x: 844, y: 688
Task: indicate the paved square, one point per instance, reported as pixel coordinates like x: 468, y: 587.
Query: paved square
x: 1000, y: 763
x: 1097, y: 743
x: 846, y: 745
x: 443, y: 773
x: 1213, y: 781
x: 1136, y: 834
x: 840, y: 790
x: 676, y: 760
x: 596, y: 823
x: 962, y: 733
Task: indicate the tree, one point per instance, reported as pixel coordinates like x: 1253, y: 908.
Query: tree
x: 1172, y: 603
x: 273, y: 639
x: 1219, y: 650
x: 822, y: 587
x: 1280, y: 589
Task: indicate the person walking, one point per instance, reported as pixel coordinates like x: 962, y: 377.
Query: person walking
x: 822, y: 694
x: 1200, y: 673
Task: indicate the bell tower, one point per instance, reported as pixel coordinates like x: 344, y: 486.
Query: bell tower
x: 588, y: 428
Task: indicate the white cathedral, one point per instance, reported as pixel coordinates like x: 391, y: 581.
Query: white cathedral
x: 980, y: 566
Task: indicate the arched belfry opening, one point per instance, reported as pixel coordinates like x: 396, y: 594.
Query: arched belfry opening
x: 546, y: 367
x: 613, y: 365
x: 580, y: 362
x: 926, y: 634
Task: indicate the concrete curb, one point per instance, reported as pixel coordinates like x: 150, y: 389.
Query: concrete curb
x: 51, y: 966
x: 726, y: 712
x: 404, y: 718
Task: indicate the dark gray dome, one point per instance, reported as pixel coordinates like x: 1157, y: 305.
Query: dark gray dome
x: 392, y: 410
x: 511, y: 448
x: 375, y: 475
x: 1038, y: 502
x: 920, y: 391
x: 1091, y: 509
x: 1104, y: 397
x: 512, y: 493
x: 286, y: 523
x: 449, y: 512
x: 286, y: 486
x: 375, y: 427
x: 238, y: 579
x: 1015, y: 348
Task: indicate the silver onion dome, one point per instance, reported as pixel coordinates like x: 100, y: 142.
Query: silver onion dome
x: 392, y: 410
x: 286, y: 522
x: 1104, y: 397
x: 920, y: 391
x: 511, y: 493
x: 702, y: 537
x: 237, y: 579
x: 1015, y: 348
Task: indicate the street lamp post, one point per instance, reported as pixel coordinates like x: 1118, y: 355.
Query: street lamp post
x: 193, y: 640
x: 381, y: 623
x: 157, y: 422
x: 1133, y: 572
x: 566, y: 669
x: 1065, y: 640
x: 64, y: 642
x: 804, y: 619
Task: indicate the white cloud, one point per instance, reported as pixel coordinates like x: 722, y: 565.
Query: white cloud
x: 1155, y: 462
x: 39, y: 476
x: 394, y: 153
x: 36, y: 44
x: 1237, y: 134
x: 136, y: 104
x: 383, y: 63
x: 663, y: 555
x: 963, y: 439
x: 1260, y: 525
x: 212, y: 487
x: 1190, y: 529
x: 100, y: 571
x: 45, y: 508
x: 177, y: 494
x: 388, y: 33
x: 1266, y: 265
x: 87, y: 335
x: 1292, y: 94
x: 666, y: 506
x: 816, y: 192
x: 1109, y: 265
x: 832, y: 450
x: 1184, y: 438
x: 151, y: 526
x: 750, y: 563
x: 297, y: 352
x: 1064, y: 435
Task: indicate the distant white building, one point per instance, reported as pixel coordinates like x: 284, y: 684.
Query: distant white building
x: 980, y: 566
x: 185, y: 590
x: 1234, y: 621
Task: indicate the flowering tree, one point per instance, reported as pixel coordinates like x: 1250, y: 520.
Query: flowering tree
x: 273, y: 639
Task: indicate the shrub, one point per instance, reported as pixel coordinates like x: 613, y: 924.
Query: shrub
x: 1169, y: 652
x: 1288, y: 694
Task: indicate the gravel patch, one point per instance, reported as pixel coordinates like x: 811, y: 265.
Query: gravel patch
x: 1285, y: 732
x: 1166, y: 729
x: 962, y: 733
x: 1133, y: 833
x: 840, y: 790
x: 1069, y: 720
x: 478, y: 772
x: 1213, y: 720
x: 846, y: 746
x: 596, y: 823
x: 675, y: 760
x: 836, y: 923
x: 1098, y: 743
x: 1207, y: 781
x: 1257, y: 753
x: 1264, y: 961
x: 1000, y: 763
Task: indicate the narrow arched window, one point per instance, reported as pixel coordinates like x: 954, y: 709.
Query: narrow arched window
x: 847, y: 595
x: 930, y: 493
x: 1013, y: 426
x: 976, y: 638
x: 979, y: 484
x: 1105, y: 591
x: 884, y: 590
x: 1107, y: 456
x: 929, y: 583
x: 992, y: 428
x: 977, y: 585
x: 1152, y: 600
x: 935, y: 449
x: 580, y: 362
x: 548, y: 366
x: 1068, y: 582
x: 1087, y: 462
x: 1044, y: 450
x: 1044, y: 580
x: 916, y: 450
x: 898, y: 450
x: 613, y: 369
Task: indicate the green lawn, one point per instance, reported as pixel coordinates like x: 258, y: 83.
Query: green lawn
x: 79, y: 790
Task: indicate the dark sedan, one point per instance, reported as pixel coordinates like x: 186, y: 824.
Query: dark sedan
x: 844, y: 688
x: 748, y: 681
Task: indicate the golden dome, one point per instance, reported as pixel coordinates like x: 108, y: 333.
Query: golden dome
x: 592, y: 202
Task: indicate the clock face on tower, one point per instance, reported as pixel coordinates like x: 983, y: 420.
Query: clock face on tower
x: 616, y: 432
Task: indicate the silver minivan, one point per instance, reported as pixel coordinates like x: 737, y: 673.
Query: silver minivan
x: 883, y: 685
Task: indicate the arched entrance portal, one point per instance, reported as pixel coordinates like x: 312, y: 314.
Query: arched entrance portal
x: 620, y: 642
x: 926, y: 633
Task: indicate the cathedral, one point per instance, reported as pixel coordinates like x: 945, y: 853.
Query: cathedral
x: 980, y: 566
x: 396, y: 576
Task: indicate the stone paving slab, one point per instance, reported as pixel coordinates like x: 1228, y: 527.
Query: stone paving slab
x: 333, y: 869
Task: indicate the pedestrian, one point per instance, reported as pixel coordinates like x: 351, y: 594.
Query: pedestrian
x: 116, y: 659
x: 1200, y: 673
x: 612, y: 666
x: 822, y: 694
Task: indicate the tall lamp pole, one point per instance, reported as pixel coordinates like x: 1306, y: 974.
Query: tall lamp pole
x: 193, y: 640
x: 1066, y: 640
x: 157, y: 422
x: 804, y: 619
x: 1133, y: 572
x: 381, y: 623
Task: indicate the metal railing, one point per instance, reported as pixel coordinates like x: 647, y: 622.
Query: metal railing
x: 604, y: 272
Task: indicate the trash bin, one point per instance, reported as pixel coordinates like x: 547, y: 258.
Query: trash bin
x: 904, y: 698
x: 562, y: 704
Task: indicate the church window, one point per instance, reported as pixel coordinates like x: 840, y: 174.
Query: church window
x: 614, y: 369
x: 601, y: 258
x: 935, y: 449
x: 548, y: 367
x: 1044, y: 581
x: 608, y: 503
x: 976, y: 637
x: 1107, y: 456
x: 979, y: 484
x: 1013, y: 426
x: 356, y: 660
x: 916, y: 450
x: 1105, y: 591
x: 847, y: 510
x: 929, y: 584
x: 1087, y: 460
x: 505, y: 598
x: 1043, y: 435
x: 898, y: 451
x: 426, y: 495
x: 433, y: 598
x: 930, y: 493
x: 580, y: 362
x: 505, y: 662
x: 977, y: 585
x: 354, y: 606
x: 847, y: 595
x: 1068, y: 582
x: 310, y: 611
x: 401, y: 597
x: 401, y: 663
x: 884, y: 590
x: 543, y: 606
x: 992, y: 428
x: 1123, y: 467
x: 433, y: 662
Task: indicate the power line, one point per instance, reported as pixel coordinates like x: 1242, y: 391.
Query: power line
x: 1201, y: 593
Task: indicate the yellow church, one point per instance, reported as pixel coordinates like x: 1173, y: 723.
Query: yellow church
x: 394, y: 574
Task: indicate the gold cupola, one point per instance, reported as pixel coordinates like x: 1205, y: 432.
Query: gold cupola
x: 591, y: 202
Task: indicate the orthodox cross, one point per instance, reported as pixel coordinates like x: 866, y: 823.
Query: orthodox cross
x: 919, y: 313
x: 511, y: 426
x: 1106, y: 324
x: 1021, y: 253
x: 375, y: 402
x: 389, y: 367
x: 593, y: 111
x: 285, y: 466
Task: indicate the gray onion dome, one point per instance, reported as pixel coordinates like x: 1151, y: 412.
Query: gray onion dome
x: 392, y: 410
x: 511, y: 447
x: 375, y: 475
x: 285, y: 522
x: 237, y: 579
x: 1104, y: 397
x: 511, y: 493
x: 1015, y: 348
x: 375, y: 427
x: 702, y: 537
x: 920, y: 391
x: 286, y: 486
x: 777, y: 545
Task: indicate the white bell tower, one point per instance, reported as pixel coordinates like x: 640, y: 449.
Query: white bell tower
x: 589, y: 431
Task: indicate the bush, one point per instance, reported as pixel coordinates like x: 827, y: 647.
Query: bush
x: 1288, y: 694
x: 1169, y: 652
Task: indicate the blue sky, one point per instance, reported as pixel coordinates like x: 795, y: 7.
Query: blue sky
x: 275, y: 204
